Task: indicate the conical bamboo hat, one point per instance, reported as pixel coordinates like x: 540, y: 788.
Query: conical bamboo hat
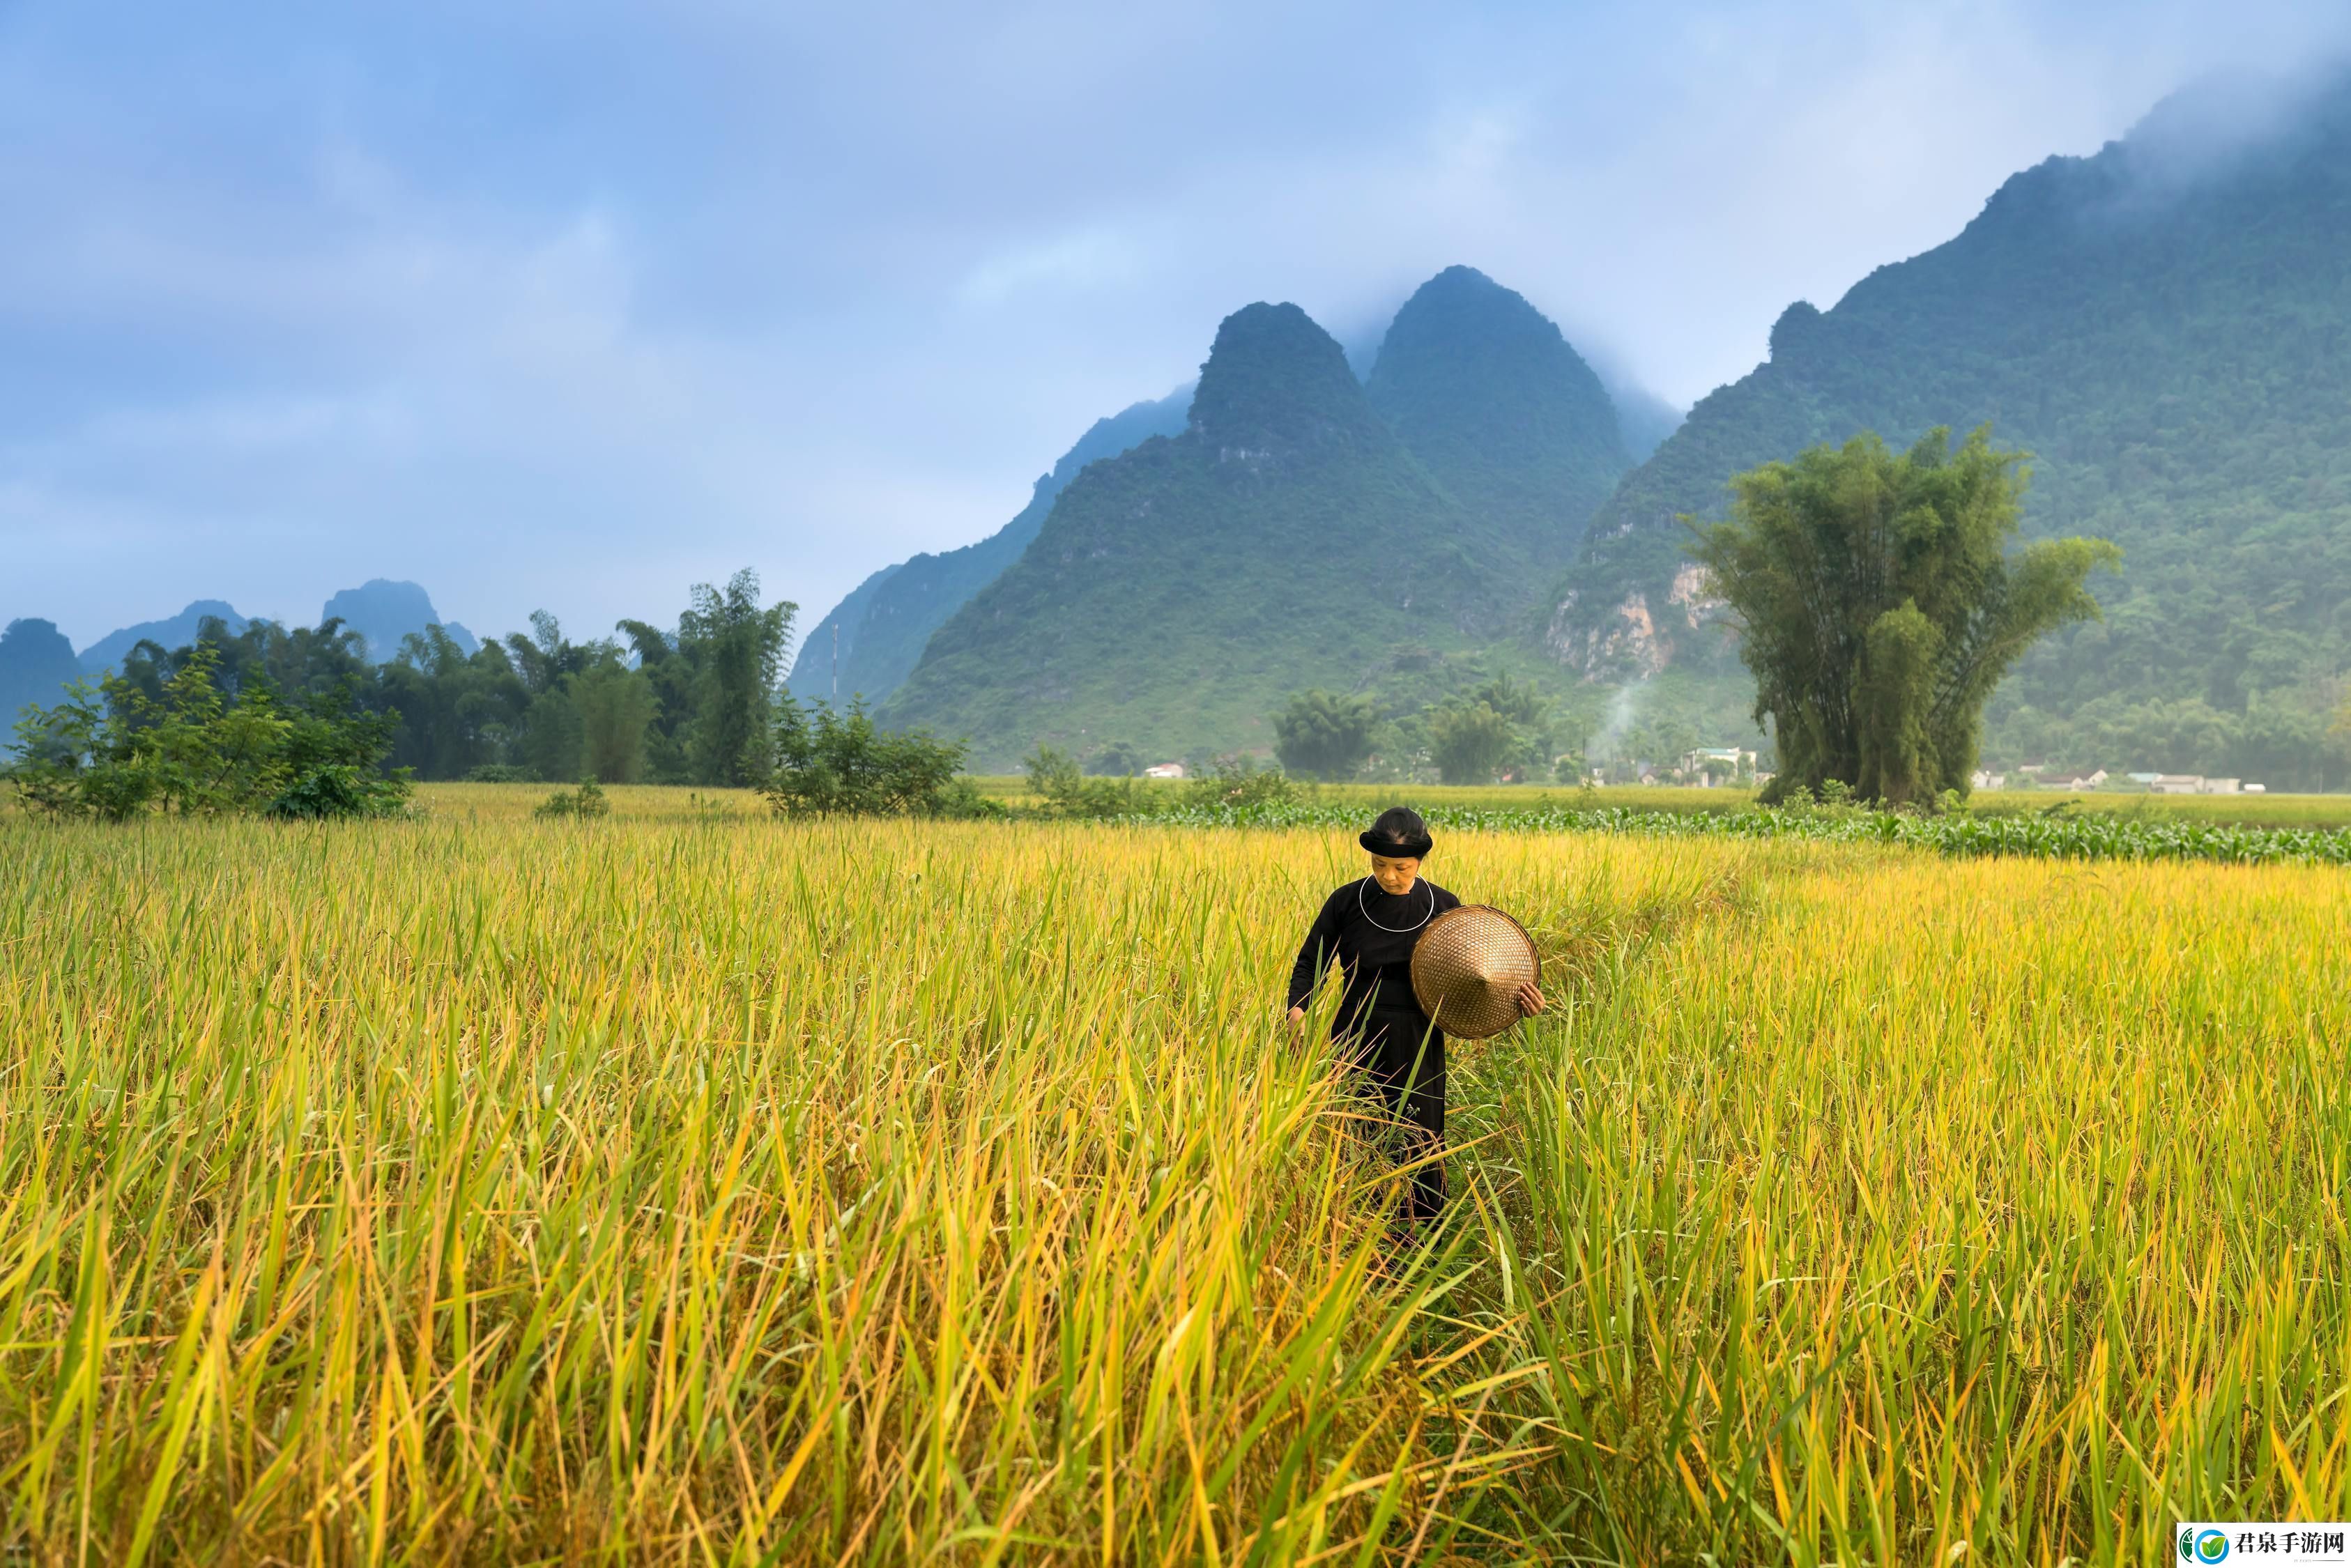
x: 1467, y: 970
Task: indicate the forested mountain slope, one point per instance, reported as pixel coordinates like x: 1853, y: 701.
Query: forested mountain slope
x: 1481, y: 387
x: 1285, y: 538
x: 2167, y: 326
x: 888, y: 619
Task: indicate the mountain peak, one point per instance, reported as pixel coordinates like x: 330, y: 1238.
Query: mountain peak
x: 383, y: 613
x: 1485, y: 390
x: 1276, y: 383
x: 1457, y: 323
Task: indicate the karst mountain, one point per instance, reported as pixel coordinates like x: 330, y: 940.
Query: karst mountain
x: 869, y: 642
x: 1303, y: 529
x: 2166, y: 326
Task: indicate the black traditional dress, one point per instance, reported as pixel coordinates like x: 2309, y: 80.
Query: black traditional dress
x: 1372, y: 934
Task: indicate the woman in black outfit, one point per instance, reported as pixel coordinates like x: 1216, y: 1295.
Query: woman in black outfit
x: 1371, y: 927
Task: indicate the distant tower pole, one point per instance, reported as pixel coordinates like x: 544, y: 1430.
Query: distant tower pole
x: 836, y: 663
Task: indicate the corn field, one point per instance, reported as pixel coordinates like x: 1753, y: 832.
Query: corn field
x: 687, y: 1186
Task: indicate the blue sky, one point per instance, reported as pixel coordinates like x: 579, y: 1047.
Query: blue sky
x: 575, y: 305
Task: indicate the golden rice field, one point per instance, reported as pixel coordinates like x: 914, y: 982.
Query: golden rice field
x: 691, y: 1187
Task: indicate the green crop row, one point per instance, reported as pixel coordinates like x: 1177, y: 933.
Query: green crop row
x: 2096, y: 837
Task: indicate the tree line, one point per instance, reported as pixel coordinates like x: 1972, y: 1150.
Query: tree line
x: 694, y: 704
x: 297, y: 722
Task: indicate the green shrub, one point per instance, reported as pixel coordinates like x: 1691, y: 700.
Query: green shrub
x: 1064, y: 791
x: 1238, y: 782
x: 833, y: 764
x: 588, y: 800
x: 116, y: 751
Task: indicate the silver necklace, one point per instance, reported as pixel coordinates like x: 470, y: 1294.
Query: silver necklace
x: 1365, y: 912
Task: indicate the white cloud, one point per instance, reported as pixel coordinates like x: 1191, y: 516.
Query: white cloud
x: 576, y: 309
x: 1088, y: 259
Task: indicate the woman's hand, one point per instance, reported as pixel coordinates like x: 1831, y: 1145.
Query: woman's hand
x: 1298, y: 1020
x: 1530, y: 1000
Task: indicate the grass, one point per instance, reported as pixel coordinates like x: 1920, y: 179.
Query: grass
x: 689, y: 1186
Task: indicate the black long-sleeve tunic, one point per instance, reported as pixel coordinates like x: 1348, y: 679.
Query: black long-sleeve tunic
x: 1372, y: 934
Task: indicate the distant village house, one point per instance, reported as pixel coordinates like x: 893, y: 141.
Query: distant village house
x: 1711, y: 764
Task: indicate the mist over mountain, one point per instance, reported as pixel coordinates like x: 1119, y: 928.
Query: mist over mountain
x: 172, y: 632
x: 36, y: 663
x: 1644, y: 419
x: 1290, y: 536
x: 383, y: 613
x: 2167, y: 326
x: 887, y: 621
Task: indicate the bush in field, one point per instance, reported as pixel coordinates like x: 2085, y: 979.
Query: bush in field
x: 1062, y: 790
x: 833, y: 764
x: 118, y: 750
x: 1239, y: 783
x: 588, y: 800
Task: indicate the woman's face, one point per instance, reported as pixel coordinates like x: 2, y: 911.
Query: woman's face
x: 1396, y: 873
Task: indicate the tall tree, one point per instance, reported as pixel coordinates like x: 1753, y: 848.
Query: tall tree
x: 1878, y: 604
x: 616, y: 707
x: 738, y: 649
x: 1324, y: 735
x: 670, y: 672
x: 1471, y: 741
x: 458, y: 713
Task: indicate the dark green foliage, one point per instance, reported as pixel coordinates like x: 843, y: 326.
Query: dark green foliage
x: 1469, y: 741
x: 587, y: 802
x: 2281, y: 739
x: 1236, y: 783
x: 2176, y: 350
x: 738, y: 649
x: 695, y: 709
x: 1500, y: 728
x: 1486, y: 393
x: 459, y: 712
x: 616, y: 706
x: 1325, y: 737
x: 338, y: 789
x: 176, y: 741
x: 1878, y: 606
x: 1119, y: 759
x: 827, y: 763
x: 497, y: 773
x: 887, y: 620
